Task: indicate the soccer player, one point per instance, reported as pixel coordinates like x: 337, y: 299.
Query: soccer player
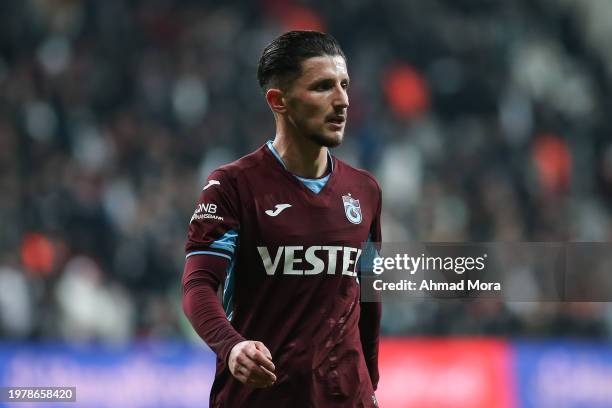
x: 279, y: 233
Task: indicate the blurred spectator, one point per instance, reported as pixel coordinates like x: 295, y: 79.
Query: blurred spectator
x: 483, y: 121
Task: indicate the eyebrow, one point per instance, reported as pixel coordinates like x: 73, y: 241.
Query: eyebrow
x: 322, y: 80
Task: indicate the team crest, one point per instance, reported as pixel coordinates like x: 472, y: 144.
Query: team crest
x: 352, y: 209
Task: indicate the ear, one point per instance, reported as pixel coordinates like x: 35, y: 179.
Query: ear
x: 276, y: 100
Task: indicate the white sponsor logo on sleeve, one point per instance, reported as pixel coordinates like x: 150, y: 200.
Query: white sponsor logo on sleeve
x: 211, y: 183
x: 206, y: 211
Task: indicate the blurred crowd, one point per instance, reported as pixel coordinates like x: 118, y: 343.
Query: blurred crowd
x: 483, y: 120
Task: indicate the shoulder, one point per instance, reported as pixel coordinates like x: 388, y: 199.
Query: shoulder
x: 226, y: 183
x: 234, y: 171
x: 362, y: 176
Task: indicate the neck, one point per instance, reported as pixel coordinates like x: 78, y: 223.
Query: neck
x: 302, y: 156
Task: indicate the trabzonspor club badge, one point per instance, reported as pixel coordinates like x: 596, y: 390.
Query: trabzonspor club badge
x: 352, y: 209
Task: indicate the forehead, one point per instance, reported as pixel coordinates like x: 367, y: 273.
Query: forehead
x: 326, y: 66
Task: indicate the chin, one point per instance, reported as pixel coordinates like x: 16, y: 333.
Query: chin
x: 328, y: 140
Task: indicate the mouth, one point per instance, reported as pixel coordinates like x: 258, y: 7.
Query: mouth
x: 337, y: 121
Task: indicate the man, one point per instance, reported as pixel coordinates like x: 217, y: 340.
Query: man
x: 282, y: 230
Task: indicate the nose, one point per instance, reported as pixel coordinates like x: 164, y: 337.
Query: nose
x: 341, y: 100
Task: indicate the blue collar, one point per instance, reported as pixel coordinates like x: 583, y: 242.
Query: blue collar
x: 314, y: 185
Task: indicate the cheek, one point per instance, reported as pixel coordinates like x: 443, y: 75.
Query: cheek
x: 308, y: 109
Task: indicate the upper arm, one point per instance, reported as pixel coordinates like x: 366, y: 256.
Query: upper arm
x: 214, y: 227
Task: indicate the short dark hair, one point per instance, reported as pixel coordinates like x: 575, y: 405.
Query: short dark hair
x: 281, y: 60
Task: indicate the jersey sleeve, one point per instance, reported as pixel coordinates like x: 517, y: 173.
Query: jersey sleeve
x: 201, y: 279
x: 214, y: 226
x: 212, y: 242
x: 369, y: 320
x: 375, y: 229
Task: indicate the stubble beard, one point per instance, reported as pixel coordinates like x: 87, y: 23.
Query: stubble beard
x: 327, y: 141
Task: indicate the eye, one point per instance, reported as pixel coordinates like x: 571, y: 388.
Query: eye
x: 344, y: 84
x: 322, y: 86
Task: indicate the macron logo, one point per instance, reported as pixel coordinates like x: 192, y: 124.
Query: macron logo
x: 279, y: 209
x: 211, y: 183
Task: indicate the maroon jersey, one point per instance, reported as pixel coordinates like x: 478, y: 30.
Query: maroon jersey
x: 292, y: 259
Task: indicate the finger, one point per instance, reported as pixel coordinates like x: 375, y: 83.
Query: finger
x: 262, y: 347
x: 254, y: 375
x: 252, y: 379
x: 264, y: 374
x: 245, y: 370
x: 259, y: 372
x: 268, y: 373
x: 242, y: 371
x: 241, y: 377
x: 261, y: 359
x: 253, y: 353
x: 241, y: 359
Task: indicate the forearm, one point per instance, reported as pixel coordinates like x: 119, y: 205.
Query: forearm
x: 369, y: 329
x: 202, y: 307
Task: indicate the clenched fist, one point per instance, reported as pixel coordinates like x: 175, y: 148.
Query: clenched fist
x: 250, y: 362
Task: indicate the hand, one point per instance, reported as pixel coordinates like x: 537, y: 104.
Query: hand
x: 250, y: 362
